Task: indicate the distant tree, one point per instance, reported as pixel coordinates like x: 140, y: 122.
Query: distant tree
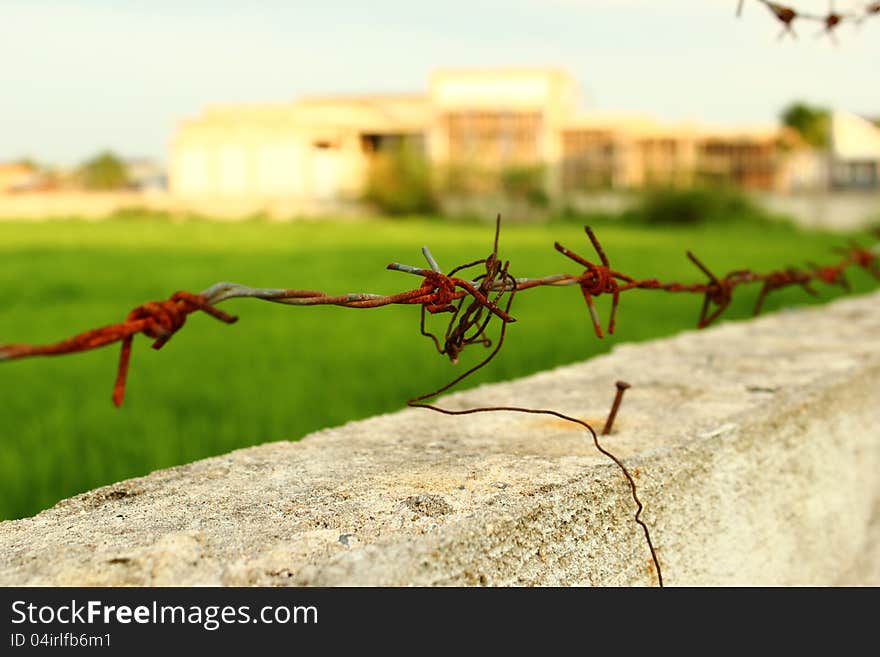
x: 525, y: 184
x: 104, y: 171
x: 399, y: 180
x: 28, y: 162
x: 812, y: 122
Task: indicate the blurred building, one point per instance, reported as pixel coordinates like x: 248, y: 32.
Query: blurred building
x: 313, y: 149
x: 17, y: 176
x: 855, y: 152
x: 145, y: 175
x: 472, y: 126
x: 617, y: 151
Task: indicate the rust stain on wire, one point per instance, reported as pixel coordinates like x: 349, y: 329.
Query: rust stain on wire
x: 158, y: 320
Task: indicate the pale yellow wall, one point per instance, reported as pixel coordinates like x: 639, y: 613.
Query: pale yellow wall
x: 549, y: 93
x: 275, y: 151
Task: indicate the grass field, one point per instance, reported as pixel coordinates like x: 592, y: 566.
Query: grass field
x: 283, y: 372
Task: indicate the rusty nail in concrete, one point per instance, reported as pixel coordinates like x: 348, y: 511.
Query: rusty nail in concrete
x: 621, y: 388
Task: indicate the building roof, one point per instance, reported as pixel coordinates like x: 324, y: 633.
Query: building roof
x: 402, y: 113
x: 550, y: 90
x: 641, y: 126
x: 631, y: 124
x: 381, y: 114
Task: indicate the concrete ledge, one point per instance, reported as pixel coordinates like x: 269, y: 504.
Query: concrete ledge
x: 756, y: 447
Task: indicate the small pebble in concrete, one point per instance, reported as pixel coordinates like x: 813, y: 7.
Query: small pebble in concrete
x: 428, y: 505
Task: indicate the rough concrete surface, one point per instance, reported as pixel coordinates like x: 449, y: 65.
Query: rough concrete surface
x: 755, y: 447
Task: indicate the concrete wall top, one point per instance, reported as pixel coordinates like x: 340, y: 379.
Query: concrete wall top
x: 754, y: 445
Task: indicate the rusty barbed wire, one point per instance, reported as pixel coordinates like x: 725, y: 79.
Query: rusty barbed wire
x: 159, y: 320
x: 830, y: 20
x: 472, y: 303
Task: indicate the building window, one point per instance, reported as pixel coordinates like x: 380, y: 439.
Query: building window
x: 493, y: 138
x: 376, y: 143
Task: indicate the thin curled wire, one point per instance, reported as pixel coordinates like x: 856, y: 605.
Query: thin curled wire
x: 421, y: 401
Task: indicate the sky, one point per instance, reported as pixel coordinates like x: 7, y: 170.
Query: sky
x: 80, y: 76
